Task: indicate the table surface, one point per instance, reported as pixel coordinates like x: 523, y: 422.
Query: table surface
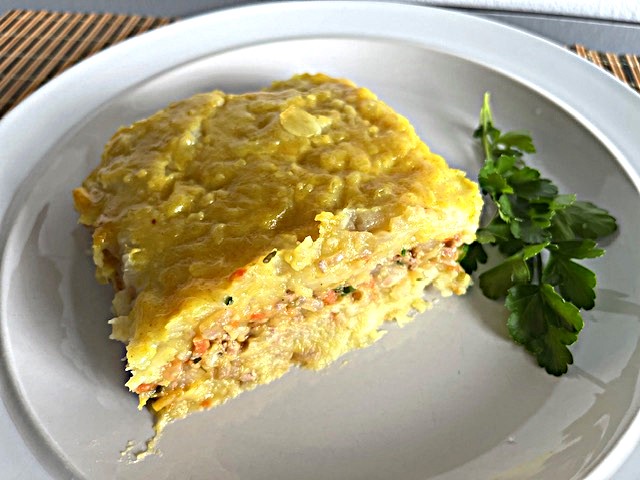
x: 605, y: 35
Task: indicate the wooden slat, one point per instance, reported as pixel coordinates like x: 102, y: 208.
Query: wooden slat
x: 625, y: 67
x: 634, y: 67
x: 7, y: 20
x: 616, y: 67
x: 595, y: 58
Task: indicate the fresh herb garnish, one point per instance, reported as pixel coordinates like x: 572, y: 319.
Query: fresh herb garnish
x: 542, y: 233
x: 228, y: 300
x: 344, y: 290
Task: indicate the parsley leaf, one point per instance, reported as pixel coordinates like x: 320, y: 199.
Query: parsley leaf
x: 582, y: 220
x: 344, y: 290
x: 526, y: 182
x: 542, y: 233
x: 496, y: 231
x: 577, y: 249
x: 471, y: 256
x: 496, y: 282
x: 544, y: 323
x: 575, y: 282
x: 517, y: 140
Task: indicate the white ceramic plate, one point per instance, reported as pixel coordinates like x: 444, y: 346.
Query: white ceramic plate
x: 447, y: 397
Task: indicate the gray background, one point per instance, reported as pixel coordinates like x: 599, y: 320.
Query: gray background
x: 595, y: 34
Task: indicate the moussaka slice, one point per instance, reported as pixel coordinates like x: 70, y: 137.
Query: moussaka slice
x: 246, y: 234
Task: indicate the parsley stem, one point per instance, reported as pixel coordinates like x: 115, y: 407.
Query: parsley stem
x: 487, y: 148
x: 535, y: 267
x: 486, y: 121
x: 538, y: 269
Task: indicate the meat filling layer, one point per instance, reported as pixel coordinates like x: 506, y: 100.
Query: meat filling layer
x: 243, y: 350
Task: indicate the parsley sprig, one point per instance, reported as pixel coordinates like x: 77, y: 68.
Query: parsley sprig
x: 541, y: 233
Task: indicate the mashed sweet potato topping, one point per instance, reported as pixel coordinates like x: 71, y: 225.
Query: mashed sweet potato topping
x: 246, y: 234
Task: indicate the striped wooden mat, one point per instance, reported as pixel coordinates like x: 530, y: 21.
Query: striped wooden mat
x: 35, y: 46
x: 626, y: 67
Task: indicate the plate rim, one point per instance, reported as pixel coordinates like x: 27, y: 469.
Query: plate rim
x: 594, y: 82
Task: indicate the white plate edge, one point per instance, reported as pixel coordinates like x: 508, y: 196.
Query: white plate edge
x: 592, y: 81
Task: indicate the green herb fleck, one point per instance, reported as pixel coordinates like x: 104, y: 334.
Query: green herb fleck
x: 403, y: 252
x: 344, y: 290
x: 541, y: 232
x: 268, y: 258
x: 228, y: 300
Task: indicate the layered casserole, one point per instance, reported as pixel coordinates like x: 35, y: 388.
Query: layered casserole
x: 247, y: 234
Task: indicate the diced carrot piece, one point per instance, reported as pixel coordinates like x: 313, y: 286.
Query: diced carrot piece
x: 330, y: 297
x: 145, y: 387
x: 200, y: 345
x: 238, y: 274
x: 257, y: 315
x: 172, y: 370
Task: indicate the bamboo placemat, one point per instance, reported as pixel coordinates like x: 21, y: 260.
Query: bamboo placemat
x: 35, y: 46
x: 626, y: 67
